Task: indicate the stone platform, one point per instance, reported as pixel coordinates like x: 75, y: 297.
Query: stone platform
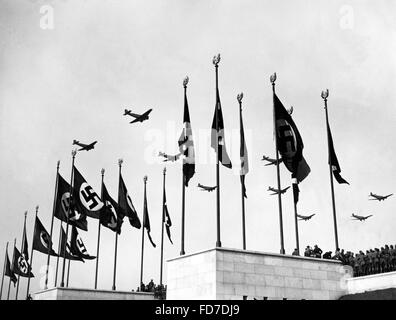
x: 372, y: 282
x: 224, y: 274
x: 90, y: 294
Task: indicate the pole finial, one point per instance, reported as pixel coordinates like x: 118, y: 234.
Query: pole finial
x: 216, y: 60
x: 273, y: 78
x: 325, y: 94
x: 164, y: 171
x: 185, y: 81
x: 25, y: 214
x: 240, y: 97
x: 58, y: 164
x: 120, y: 162
x: 102, y: 171
x: 145, y: 179
x: 37, y: 207
x: 74, y: 152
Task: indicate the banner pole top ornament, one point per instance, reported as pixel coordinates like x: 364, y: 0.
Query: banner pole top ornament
x: 102, y: 171
x: 37, y: 207
x: 145, y: 179
x: 216, y: 60
x: 185, y: 81
x: 120, y: 161
x: 164, y: 171
x: 273, y: 78
x: 25, y: 214
x: 58, y: 164
x: 74, y: 152
x: 240, y: 97
x: 325, y: 94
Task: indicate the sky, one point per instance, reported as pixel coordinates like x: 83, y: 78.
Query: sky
x: 69, y: 68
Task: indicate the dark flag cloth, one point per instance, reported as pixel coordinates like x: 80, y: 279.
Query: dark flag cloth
x: 62, y: 206
x: 25, y: 246
x: 290, y: 144
x: 146, y: 220
x: 77, y: 246
x: 110, y: 214
x: 333, y: 161
x: 217, y: 137
x: 243, y: 156
x: 69, y: 254
x: 85, y: 197
x: 167, y: 219
x: 126, y: 205
x: 186, y: 145
x: 20, y: 265
x: 42, y: 240
x: 9, y: 272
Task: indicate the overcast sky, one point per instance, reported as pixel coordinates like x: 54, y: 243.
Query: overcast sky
x: 69, y: 68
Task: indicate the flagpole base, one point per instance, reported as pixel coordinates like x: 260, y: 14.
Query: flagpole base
x: 218, y: 244
x: 182, y: 253
x: 282, y: 251
x: 113, y: 288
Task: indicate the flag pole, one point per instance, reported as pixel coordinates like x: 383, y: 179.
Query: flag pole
x: 325, y: 95
x: 57, y: 258
x: 12, y: 269
x: 120, y: 161
x: 31, y: 256
x: 239, y: 98
x: 97, y: 248
x: 182, y: 252
x: 141, y: 259
x: 162, y: 227
x: 4, y: 269
x: 22, y: 248
x: 52, y: 225
x: 74, y: 152
x: 216, y: 61
x: 295, y: 185
x: 282, y: 250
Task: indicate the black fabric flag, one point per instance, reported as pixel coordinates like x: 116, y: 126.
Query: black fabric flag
x: 333, y: 161
x: 62, y: 206
x: 126, y: 205
x: 42, y: 240
x: 243, y: 156
x: 110, y: 215
x: 77, y: 246
x: 20, y: 265
x: 146, y: 220
x: 9, y: 272
x: 85, y: 197
x: 186, y: 145
x: 217, y: 137
x: 65, y: 245
x: 290, y: 144
x: 167, y: 219
x: 25, y: 247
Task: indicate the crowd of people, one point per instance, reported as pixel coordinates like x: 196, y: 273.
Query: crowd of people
x: 159, y: 290
x: 363, y: 263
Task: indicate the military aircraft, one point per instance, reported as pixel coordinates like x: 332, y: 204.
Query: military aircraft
x: 205, y: 188
x: 138, y: 117
x: 276, y: 191
x: 271, y: 161
x: 168, y: 157
x: 84, y: 146
x: 305, y: 218
x: 360, y: 218
x: 379, y: 198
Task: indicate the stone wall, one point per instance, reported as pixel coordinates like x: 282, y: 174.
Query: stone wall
x: 237, y: 274
x: 372, y: 282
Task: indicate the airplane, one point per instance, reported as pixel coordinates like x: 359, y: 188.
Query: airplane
x: 360, y: 218
x: 305, y: 218
x: 168, y: 157
x: 276, y: 191
x: 138, y: 117
x: 271, y: 161
x: 84, y: 146
x: 379, y: 198
x: 205, y: 188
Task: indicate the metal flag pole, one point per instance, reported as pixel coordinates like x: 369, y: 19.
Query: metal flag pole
x: 12, y: 269
x: 295, y: 185
x: 4, y: 269
x: 31, y: 255
x: 59, y: 250
x: 282, y: 250
x: 182, y: 252
x: 144, y: 221
x: 325, y: 95
x: 239, y: 98
x: 52, y: 225
x: 74, y: 152
x: 97, y: 248
x: 216, y: 60
x: 162, y: 227
x: 120, y: 161
x: 22, y: 248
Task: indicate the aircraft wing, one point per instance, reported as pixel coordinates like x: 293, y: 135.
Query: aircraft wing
x: 147, y: 112
x: 135, y: 115
x: 388, y: 195
x: 136, y: 120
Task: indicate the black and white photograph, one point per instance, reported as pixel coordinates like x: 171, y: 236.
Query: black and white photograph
x: 224, y: 151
